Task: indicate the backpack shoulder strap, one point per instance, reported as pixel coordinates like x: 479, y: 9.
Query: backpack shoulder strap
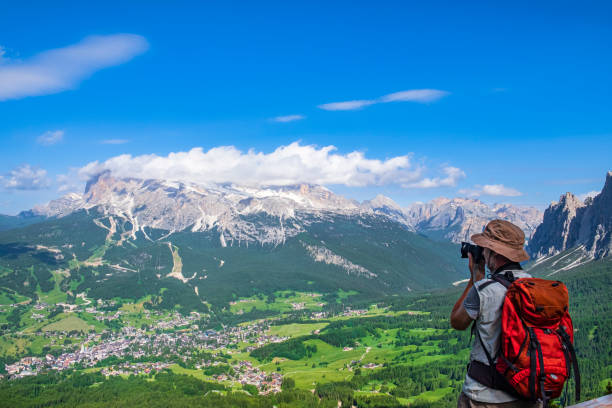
x: 485, y: 284
x: 506, y: 278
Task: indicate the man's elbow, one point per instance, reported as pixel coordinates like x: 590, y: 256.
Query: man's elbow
x: 455, y: 325
x: 458, y: 326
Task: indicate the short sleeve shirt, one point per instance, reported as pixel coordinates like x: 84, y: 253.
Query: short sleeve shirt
x: 471, y: 303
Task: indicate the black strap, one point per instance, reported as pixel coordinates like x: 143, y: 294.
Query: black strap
x: 542, y: 376
x: 568, y: 371
x: 481, y: 373
x: 490, y: 377
x: 472, y: 331
x: 505, y: 279
x: 570, y: 347
x: 510, y: 266
x: 489, y: 358
x: 520, y: 349
x: 484, y: 285
x: 568, y: 359
x: 532, y: 365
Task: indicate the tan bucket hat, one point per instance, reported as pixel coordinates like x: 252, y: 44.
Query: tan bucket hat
x: 505, y: 238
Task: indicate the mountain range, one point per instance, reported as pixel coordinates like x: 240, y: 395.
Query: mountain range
x: 176, y: 206
x: 203, y: 245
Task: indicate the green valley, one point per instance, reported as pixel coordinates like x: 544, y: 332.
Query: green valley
x: 279, y: 349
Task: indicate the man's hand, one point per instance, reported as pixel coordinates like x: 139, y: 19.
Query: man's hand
x: 477, y: 271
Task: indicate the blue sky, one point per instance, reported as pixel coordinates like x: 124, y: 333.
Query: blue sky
x: 514, y: 96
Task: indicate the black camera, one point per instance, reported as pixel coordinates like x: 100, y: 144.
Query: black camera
x: 475, y: 250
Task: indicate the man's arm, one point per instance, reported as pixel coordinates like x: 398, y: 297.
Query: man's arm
x: 459, y: 318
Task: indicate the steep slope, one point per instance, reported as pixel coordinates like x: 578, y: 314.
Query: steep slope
x: 571, y: 223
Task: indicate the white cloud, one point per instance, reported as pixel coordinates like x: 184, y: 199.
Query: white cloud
x: 290, y: 164
x: 114, y: 141
x: 490, y: 190
x: 453, y: 175
x: 69, y: 182
x: 500, y: 190
x: 414, y: 95
x: 25, y: 177
x: 288, y: 118
x: 469, y: 192
x: 348, y: 105
x: 50, y: 137
x: 590, y: 194
x: 61, y: 69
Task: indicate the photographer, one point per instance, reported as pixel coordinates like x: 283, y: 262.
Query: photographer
x: 500, y: 248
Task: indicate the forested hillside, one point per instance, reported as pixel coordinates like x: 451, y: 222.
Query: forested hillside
x: 88, y: 252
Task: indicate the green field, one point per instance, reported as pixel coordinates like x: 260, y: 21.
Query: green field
x: 296, y: 329
x: 284, y: 301
x: 9, y: 297
x: 68, y: 324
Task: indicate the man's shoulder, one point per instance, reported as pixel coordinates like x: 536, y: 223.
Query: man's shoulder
x: 483, y: 284
x: 487, y: 281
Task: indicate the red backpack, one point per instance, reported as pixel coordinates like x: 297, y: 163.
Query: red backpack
x: 536, y: 351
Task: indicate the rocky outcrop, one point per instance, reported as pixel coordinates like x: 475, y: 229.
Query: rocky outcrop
x: 572, y: 223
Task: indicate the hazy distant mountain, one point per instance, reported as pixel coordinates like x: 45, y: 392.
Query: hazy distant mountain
x: 585, y: 227
x: 458, y: 218
x: 21, y: 220
x: 385, y: 206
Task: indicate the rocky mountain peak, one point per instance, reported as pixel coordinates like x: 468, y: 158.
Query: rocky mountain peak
x: 381, y: 201
x: 607, y: 189
x: 569, y: 201
x: 571, y: 223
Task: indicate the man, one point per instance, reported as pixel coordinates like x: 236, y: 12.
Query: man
x: 481, y: 302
